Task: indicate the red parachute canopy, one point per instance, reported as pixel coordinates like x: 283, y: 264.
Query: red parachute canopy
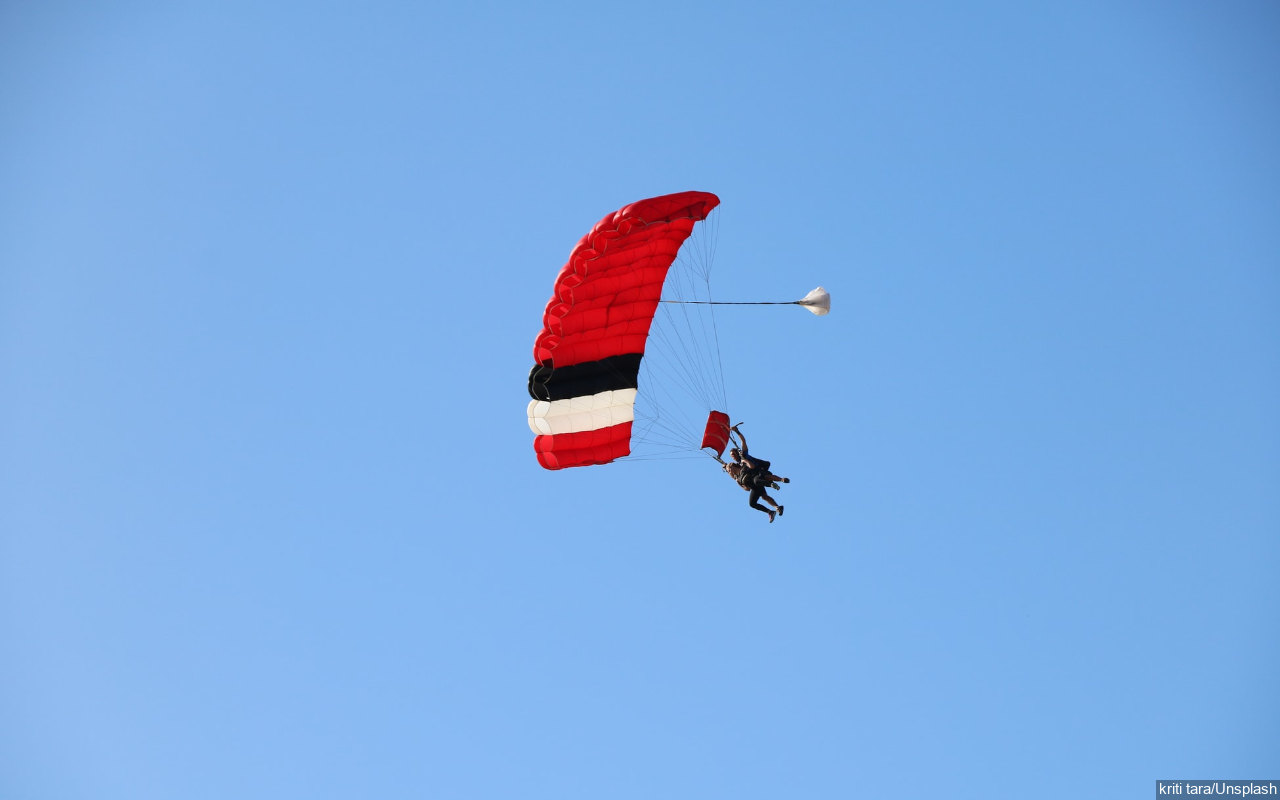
x: 587, y: 356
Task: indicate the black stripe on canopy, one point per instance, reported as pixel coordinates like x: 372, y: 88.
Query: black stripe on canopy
x: 588, y: 378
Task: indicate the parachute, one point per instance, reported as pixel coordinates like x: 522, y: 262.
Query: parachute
x: 589, y: 357
x: 595, y: 327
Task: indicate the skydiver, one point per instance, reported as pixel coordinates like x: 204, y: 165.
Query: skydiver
x: 753, y: 475
x: 757, y: 467
x: 756, y: 485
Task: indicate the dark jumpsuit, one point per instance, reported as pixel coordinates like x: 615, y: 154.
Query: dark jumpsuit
x: 756, y: 479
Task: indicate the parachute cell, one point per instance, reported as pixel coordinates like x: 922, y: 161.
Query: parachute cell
x: 594, y: 329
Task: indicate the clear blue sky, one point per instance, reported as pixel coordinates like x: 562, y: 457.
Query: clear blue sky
x: 270, y: 521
